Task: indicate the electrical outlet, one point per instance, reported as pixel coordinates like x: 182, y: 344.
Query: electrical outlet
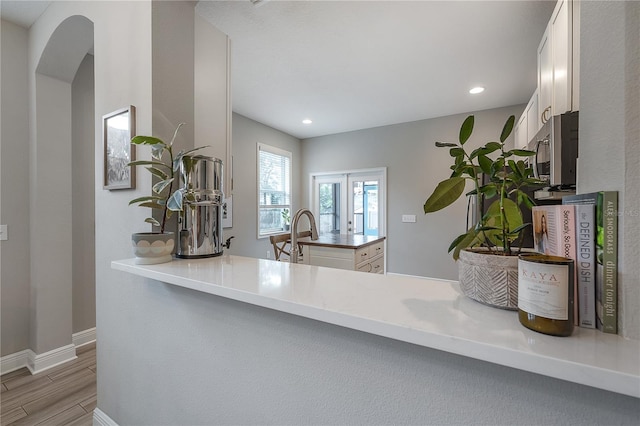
x: 408, y: 218
x: 268, y: 254
x: 4, y: 234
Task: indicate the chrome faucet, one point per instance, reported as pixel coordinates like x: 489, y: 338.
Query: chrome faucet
x: 294, y: 232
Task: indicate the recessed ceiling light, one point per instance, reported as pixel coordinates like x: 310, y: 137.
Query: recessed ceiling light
x: 306, y: 121
x: 476, y: 90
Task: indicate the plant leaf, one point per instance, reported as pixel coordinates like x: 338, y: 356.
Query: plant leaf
x: 445, y: 144
x: 477, y: 152
x: 456, y: 152
x: 145, y: 198
x: 489, y: 190
x: 517, y: 230
x: 157, y: 172
x: 492, y: 146
x: 147, y: 140
x: 455, y: 242
x: 493, y: 219
x: 175, y: 133
x: 158, y: 150
x: 445, y: 194
x: 175, y: 201
x: 525, y: 199
x: 508, y: 127
x: 468, y: 241
x: 485, y: 163
x: 466, y: 129
x: 522, y: 152
x: 148, y: 163
x: 515, y: 170
x: 160, y: 186
x: 152, y: 221
x: 183, y: 156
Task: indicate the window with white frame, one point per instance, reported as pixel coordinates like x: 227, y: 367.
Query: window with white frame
x: 274, y: 190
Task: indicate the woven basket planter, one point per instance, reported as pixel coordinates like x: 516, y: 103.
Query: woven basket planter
x: 488, y: 278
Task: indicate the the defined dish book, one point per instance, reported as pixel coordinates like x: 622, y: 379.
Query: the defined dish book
x: 586, y: 264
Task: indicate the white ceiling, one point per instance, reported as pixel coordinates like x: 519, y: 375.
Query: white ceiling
x: 350, y: 65
x: 22, y: 12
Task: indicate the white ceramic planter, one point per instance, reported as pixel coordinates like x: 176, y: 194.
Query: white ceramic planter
x: 491, y: 279
x: 151, y: 248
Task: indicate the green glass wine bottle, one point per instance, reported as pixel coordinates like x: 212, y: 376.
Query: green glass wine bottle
x: 545, y: 293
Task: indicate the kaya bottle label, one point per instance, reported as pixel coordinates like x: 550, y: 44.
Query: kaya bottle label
x: 543, y: 289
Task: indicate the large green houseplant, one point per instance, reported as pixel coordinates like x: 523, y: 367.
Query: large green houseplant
x: 499, y: 231
x: 167, y: 197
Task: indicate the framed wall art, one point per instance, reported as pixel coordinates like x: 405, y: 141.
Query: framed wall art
x: 118, y: 129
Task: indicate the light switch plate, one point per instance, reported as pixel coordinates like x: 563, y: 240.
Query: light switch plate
x: 4, y: 234
x: 409, y: 218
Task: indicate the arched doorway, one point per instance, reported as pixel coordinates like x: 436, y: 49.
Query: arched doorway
x: 62, y: 194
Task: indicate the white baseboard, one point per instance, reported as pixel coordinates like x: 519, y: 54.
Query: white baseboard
x: 85, y: 337
x: 101, y: 419
x: 40, y: 362
x: 13, y: 362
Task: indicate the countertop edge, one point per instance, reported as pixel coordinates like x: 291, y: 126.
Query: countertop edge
x: 564, y: 369
x: 308, y: 242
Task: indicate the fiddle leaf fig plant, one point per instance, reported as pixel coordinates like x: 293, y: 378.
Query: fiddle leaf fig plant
x: 165, y: 166
x: 501, y: 228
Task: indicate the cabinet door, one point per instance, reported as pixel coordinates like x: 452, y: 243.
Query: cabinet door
x: 545, y: 77
x: 521, y: 132
x: 533, y: 122
x: 561, y: 42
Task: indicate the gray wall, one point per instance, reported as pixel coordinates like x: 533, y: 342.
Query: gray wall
x: 211, y: 360
x: 23, y: 303
x: 14, y: 191
x: 609, y: 133
x: 414, y: 168
x: 246, y: 135
x: 83, y: 216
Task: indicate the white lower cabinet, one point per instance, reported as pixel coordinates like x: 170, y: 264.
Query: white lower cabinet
x: 369, y: 258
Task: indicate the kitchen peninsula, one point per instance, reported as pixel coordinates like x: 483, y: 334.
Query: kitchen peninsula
x: 352, y: 252
x: 253, y: 341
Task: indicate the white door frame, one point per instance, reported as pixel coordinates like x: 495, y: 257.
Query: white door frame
x: 379, y: 174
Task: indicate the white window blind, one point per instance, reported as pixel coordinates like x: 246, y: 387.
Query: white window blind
x: 274, y: 189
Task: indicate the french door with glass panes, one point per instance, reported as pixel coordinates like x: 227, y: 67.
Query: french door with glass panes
x: 350, y: 202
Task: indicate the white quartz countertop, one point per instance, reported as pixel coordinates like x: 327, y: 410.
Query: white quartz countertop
x: 426, y: 312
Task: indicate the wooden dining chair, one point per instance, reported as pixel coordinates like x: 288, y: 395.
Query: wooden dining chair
x: 282, y: 245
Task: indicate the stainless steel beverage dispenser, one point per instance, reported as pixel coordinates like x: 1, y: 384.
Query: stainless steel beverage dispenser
x: 200, y: 221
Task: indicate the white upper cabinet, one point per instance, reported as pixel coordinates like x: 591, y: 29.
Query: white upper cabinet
x: 520, y: 132
x: 528, y: 124
x: 533, y: 123
x: 545, y: 77
x: 557, y: 53
x: 561, y: 42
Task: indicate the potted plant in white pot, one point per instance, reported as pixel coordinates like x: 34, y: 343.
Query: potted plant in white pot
x: 157, y: 247
x: 487, y: 252
x: 286, y: 217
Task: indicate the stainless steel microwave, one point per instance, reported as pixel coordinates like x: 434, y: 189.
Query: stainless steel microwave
x: 556, y: 148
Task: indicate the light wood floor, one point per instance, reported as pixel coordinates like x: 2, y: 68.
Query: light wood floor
x: 63, y: 395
